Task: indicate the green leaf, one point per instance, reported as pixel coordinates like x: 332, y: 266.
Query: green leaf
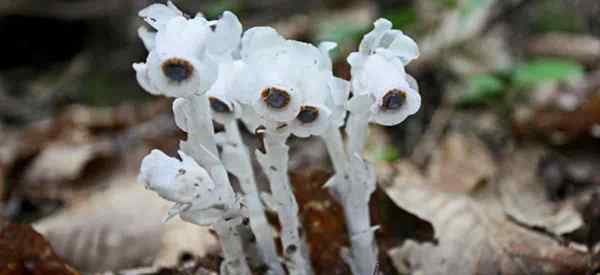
x: 481, y: 89
x: 545, y: 70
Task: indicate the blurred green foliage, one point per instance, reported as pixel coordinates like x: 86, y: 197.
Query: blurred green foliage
x: 545, y: 70
x: 487, y: 88
x: 402, y: 18
x: 387, y: 154
x: 216, y: 8
x: 482, y: 88
x: 552, y: 15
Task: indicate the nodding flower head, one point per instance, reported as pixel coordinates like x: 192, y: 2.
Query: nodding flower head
x: 394, y: 93
x: 315, y: 114
x: 184, y: 52
x: 281, y: 74
x: 181, y: 181
x: 378, y: 73
x: 222, y: 96
x: 177, y: 65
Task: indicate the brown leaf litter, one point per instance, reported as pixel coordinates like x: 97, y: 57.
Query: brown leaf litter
x: 482, y: 215
x: 24, y: 251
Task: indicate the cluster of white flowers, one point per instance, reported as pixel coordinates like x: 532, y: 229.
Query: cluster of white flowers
x: 278, y: 87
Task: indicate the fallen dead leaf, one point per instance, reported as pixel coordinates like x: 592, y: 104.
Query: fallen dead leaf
x: 121, y: 227
x: 561, y: 127
x: 474, y: 236
x: 460, y: 163
x: 523, y: 196
x: 62, y: 162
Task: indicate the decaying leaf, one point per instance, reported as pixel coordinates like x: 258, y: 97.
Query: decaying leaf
x: 62, y: 161
x: 474, y: 236
x: 460, y: 163
x: 524, y: 199
x: 121, y: 228
x: 24, y: 251
x: 560, y: 126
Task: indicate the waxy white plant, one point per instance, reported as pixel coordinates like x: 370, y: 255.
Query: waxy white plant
x: 277, y: 88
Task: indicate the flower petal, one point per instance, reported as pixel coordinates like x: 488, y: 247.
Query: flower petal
x: 260, y: 38
x: 141, y: 74
x: 148, y: 37
x: 227, y: 34
x: 317, y: 127
x: 157, y: 15
x: 371, y: 40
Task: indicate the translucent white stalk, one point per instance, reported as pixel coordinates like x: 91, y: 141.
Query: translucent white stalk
x: 275, y: 165
x: 193, y: 116
x: 232, y: 247
x: 352, y: 186
x: 237, y: 160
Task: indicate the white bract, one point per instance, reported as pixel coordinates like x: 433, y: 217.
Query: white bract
x: 379, y: 82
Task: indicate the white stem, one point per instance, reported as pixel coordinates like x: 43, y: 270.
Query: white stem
x: 201, y: 145
x: 256, y: 211
x: 357, y: 130
x: 232, y: 247
x: 275, y: 165
x: 335, y: 148
x: 352, y: 186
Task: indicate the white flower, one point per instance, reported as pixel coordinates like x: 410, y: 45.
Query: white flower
x: 325, y: 96
x: 315, y: 112
x: 379, y: 81
x: 184, y: 53
x: 177, y: 66
x: 181, y: 181
x: 222, y: 95
x: 279, y: 73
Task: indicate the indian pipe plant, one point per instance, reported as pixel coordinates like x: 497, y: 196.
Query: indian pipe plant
x: 276, y: 87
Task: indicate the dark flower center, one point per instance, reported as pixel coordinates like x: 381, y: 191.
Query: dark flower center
x: 308, y: 114
x: 177, y: 69
x: 218, y: 105
x: 275, y: 98
x: 393, y: 100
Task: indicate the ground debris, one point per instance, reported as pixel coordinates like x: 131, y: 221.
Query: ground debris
x: 24, y: 251
x: 474, y: 236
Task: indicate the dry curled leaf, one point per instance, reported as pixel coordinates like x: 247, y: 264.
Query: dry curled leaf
x: 61, y: 161
x: 24, y: 251
x: 524, y: 198
x: 474, y: 236
x: 460, y: 163
x: 121, y: 228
